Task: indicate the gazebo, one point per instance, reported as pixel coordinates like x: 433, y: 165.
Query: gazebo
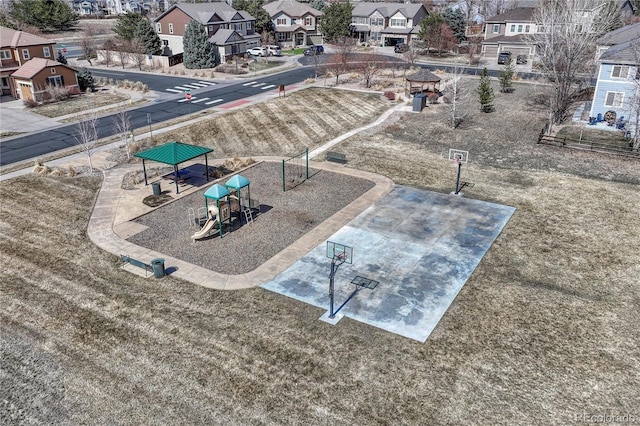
x: 174, y: 153
x: 217, y: 192
x: 238, y: 182
x: 420, y: 79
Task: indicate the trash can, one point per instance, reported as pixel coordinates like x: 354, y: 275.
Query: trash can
x: 158, y: 267
x: 156, y: 188
x: 599, y: 117
x: 419, y: 102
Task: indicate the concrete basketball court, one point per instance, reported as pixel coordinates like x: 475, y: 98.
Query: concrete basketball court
x: 421, y: 246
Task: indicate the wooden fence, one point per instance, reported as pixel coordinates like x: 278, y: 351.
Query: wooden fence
x: 604, y: 147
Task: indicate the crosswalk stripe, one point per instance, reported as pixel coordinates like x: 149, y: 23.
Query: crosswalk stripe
x: 174, y: 90
x: 259, y: 84
x: 191, y: 86
x: 185, y: 100
x: 199, y: 84
x: 213, y: 102
x: 199, y: 100
x: 249, y: 83
x: 184, y: 89
x: 268, y: 87
x: 208, y: 83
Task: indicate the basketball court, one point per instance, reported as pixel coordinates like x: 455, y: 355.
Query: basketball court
x: 420, y: 247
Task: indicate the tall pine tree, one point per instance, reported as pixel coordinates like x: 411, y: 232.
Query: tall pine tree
x: 336, y: 20
x: 506, y: 76
x: 146, y: 35
x: 485, y: 92
x: 126, y: 25
x: 198, y: 52
x: 456, y: 21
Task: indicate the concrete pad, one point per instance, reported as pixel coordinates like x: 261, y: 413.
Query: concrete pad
x: 421, y: 246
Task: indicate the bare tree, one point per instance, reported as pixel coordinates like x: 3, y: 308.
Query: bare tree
x: 86, y: 136
x: 122, y: 126
x: 410, y: 56
x: 340, y: 61
x: 87, y: 42
x: 367, y: 66
x: 457, y: 97
x: 108, y: 47
x: 123, y: 49
x: 565, y: 45
x: 137, y: 54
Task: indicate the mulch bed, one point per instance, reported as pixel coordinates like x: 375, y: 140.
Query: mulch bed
x: 283, y: 218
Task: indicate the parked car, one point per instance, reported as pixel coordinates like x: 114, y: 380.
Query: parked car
x: 314, y: 50
x: 521, y: 59
x: 258, y: 51
x: 274, y: 50
x: 401, y: 48
x: 503, y: 57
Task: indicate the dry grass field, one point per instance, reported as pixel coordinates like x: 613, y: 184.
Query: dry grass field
x: 544, y: 332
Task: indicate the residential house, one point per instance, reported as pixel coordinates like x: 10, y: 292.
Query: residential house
x: 16, y: 48
x: 617, y: 92
x: 232, y: 32
x: 619, y: 36
x: 87, y: 7
x: 33, y: 78
x: 508, y: 32
x: 295, y: 24
x: 386, y: 24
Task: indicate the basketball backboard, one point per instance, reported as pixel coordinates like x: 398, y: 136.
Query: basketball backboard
x: 339, y: 251
x: 458, y: 155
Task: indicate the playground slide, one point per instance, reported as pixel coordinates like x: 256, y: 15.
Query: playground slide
x: 208, y: 226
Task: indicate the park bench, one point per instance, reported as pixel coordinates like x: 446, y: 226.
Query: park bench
x: 336, y: 157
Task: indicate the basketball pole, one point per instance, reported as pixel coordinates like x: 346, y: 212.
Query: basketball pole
x: 334, y: 269
x: 458, y: 177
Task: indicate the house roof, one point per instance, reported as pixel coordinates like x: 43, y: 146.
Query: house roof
x: 624, y: 53
x: 518, y: 38
x: 621, y: 35
x: 13, y: 38
x: 173, y: 153
x: 520, y: 14
x: 386, y: 9
x: 34, y: 66
x: 222, y: 36
x: 424, y: 76
x: 290, y: 8
x: 202, y: 12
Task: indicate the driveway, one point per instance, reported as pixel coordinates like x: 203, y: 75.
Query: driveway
x: 14, y: 117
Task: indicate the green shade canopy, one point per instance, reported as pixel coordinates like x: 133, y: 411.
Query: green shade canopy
x: 216, y: 192
x: 173, y: 153
x: 237, y: 182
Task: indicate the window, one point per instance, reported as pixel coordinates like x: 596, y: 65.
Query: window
x: 375, y: 36
x: 55, y: 80
x: 237, y: 27
x: 496, y: 28
x: 5, y: 82
x: 614, y: 99
x: 159, y: 28
x: 619, y: 71
x: 308, y: 21
x: 249, y: 25
x: 527, y: 28
x: 281, y: 21
x: 25, y: 53
x: 520, y: 28
x: 5, y: 54
x: 170, y: 28
x: 46, y: 52
x: 282, y: 36
x: 210, y: 28
x: 513, y: 28
x: 53, y: 70
x: 377, y: 21
x: 398, y: 22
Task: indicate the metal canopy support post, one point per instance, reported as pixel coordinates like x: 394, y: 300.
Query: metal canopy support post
x: 175, y: 177
x: 206, y: 166
x: 145, y: 173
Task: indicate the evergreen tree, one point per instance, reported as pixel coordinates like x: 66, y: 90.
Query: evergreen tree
x: 506, y: 76
x: 485, y: 92
x: 4, y: 22
x: 60, y: 58
x: 198, y: 52
x: 126, y: 25
x: 85, y: 80
x: 44, y: 14
x: 149, y: 39
x: 317, y: 4
x: 336, y: 20
x: 456, y: 21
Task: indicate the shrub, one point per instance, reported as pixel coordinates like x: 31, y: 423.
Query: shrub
x: 30, y: 103
x: 433, y: 97
x: 389, y: 95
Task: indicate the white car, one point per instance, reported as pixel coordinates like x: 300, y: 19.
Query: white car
x: 258, y: 51
x: 274, y: 50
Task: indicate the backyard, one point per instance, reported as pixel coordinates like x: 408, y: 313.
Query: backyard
x: 544, y: 332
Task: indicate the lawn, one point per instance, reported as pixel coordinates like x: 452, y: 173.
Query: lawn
x: 80, y: 103
x: 544, y: 331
